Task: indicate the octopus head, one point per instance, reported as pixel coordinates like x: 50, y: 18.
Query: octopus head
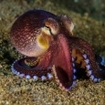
x: 33, y: 32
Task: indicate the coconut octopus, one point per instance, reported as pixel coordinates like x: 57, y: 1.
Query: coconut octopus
x: 52, y: 50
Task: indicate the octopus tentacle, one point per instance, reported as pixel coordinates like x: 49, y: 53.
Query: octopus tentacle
x: 20, y: 68
x: 63, y: 79
x: 92, y: 67
x: 62, y: 63
x: 101, y: 62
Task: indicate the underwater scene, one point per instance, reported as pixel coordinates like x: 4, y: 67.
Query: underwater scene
x: 52, y: 52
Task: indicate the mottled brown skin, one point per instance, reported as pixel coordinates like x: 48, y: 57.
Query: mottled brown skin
x: 26, y: 28
x: 51, y: 35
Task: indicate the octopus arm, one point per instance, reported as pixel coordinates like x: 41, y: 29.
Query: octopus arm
x: 101, y: 62
x: 62, y: 64
x: 91, y: 66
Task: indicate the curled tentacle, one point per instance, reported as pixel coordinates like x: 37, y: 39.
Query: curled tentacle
x: 101, y: 62
x: 21, y: 69
x: 62, y: 61
x: 87, y: 57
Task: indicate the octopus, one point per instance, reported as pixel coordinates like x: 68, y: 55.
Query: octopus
x: 52, y: 51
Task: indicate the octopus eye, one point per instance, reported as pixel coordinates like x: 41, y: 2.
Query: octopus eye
x: 67, y: 22
x: 46, y: 30
x: 51, y: 25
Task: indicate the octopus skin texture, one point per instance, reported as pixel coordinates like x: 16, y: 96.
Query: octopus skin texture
x: 52, y: 50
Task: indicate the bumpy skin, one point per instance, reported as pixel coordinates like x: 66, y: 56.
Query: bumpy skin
x: 26, y: 28
x: 62, y: 55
